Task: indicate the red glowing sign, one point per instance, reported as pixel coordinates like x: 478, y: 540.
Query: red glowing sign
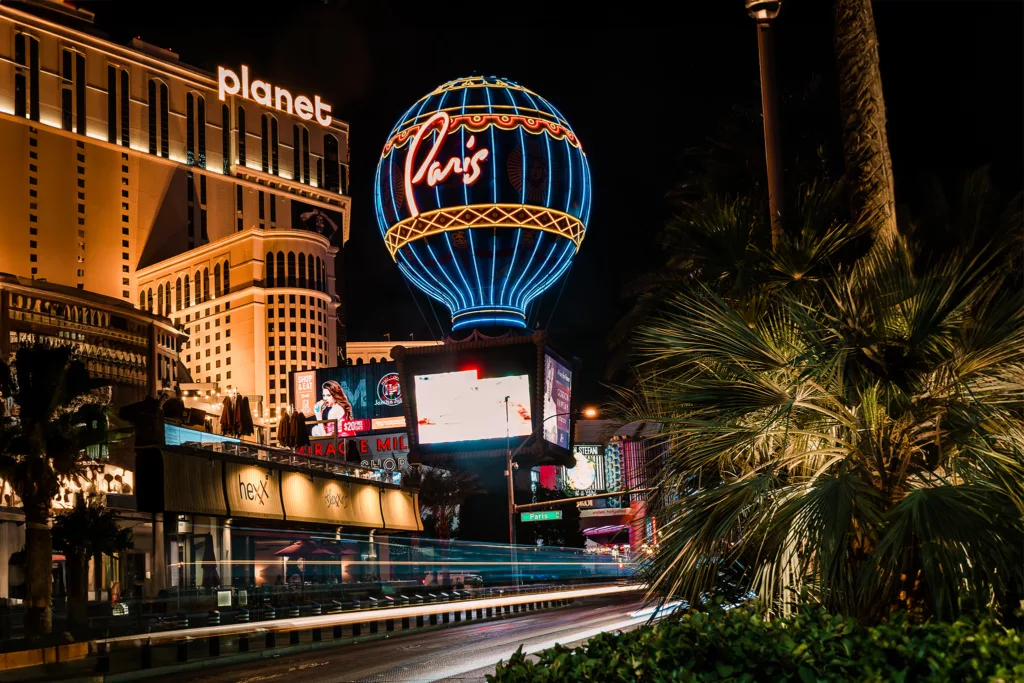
x: 434, y: 172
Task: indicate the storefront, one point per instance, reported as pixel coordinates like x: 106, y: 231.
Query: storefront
x: 222, y: 521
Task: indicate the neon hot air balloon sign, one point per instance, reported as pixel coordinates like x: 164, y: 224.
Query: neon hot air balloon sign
x: 483, y: 195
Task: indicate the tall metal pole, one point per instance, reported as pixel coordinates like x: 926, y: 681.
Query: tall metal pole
x: 511, y: 496
x: 764, y: 13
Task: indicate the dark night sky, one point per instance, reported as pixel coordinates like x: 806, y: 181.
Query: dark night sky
x: 640, y: 84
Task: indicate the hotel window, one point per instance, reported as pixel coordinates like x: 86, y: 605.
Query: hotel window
x: 206, y: 288
x: 273, y: 146
x: 305, y: 155
x: 80, y: 120
x: 296, y: 174
x: 291, y: 268
x: 151, y: 106
x: 188, y: 292
x: 302, y: 270
x: 202, y: 208
x: 216, y: 281
x: 165, y: 143
x: 227, y: 283
x: 66, y: 94
x: 238, y: 207
x: 177, y: 295
x: 190, y: 129
x: 190, y: 197
x: 280, y: 269
x: 273, y: 211
x: 126, y: 109
x: 263, y: 209
x: 265, y: 143
x: 111, y: 103
x: 310, y: 272
x: 26, y: 87
x: 269, y: 264
x: 201, y: 123
x: 198, y: 280
x: 241, y: 135
x: 225, y: 137
x: 319, y: 172
x: 331, y: 161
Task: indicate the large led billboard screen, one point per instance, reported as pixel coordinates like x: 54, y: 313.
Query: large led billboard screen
x: 557, y: 400
x: 461, y: 406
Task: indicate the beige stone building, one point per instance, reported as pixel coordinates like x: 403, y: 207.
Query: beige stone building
x: 126, y: 174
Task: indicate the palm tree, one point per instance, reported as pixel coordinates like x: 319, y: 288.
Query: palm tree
x: 441, y: 493
x: 84, y: 532
x: 862, y: 106
x: 40, y: 445
x: 857, y: 439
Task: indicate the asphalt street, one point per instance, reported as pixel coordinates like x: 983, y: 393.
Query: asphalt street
x: 461, y: 653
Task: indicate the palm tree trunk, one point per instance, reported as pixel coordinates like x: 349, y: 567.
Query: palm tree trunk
x: 862, y: 106
x: 38, y: 572
x: 78, y: 582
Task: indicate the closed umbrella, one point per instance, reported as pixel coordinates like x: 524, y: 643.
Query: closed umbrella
x: 227, y: 416
x: 245, y: 423
x: 300, y: 437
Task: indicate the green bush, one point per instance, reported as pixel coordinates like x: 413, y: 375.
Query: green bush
x: 812, y: 645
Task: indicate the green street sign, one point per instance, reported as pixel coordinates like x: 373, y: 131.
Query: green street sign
x: 547, y: 516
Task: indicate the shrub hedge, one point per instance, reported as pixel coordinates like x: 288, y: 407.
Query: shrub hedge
x: 812, y: 645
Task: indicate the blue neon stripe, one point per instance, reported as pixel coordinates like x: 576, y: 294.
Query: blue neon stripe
x: 533, y: 256
x: 453, y: 305
x: 508, y: 275
x: 547, y: 141
x: 494, y: 258
x: 512, y: 322
x: 537, y: 272
x: 522, y: 199
x: 420, y: 283
x: 494, y: 193
x: 465, y: 194
x: 454, y: 289
x: 564, y: 261
x: 586, y: 191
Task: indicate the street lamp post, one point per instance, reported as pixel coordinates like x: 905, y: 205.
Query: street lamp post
x: 764, y: 13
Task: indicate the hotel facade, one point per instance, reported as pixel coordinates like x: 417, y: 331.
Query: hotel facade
x: 131, y: 175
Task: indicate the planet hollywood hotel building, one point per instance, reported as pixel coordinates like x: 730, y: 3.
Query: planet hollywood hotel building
x: 215, y: 201
x: 203, y: 213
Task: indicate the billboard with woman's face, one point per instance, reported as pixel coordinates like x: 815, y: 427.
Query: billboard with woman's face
x: 350, y: 399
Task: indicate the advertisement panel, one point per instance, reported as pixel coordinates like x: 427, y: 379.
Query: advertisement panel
x: 587, y: 477
x: 349, y: 400
x: 253, y: 491
x: 557, y: 401
x: 460, y: 406
x: 314, y: 499
x: 325, y: 222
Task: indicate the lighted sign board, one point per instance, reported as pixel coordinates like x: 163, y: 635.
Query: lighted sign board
x: 557, y: 395
x: 482, y: 197
x: 267, y: 95
x: 357, y: 394
x: 588, y: 474
x: 460, y: 406
x: 545, y: 516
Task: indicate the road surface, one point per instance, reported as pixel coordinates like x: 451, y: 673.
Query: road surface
x: 461, y: 653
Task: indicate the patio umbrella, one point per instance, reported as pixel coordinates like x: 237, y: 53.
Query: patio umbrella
x: 301, y: 548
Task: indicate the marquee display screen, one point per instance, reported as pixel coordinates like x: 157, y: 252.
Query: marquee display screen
x: 557, y: 401
x: 461, y: 406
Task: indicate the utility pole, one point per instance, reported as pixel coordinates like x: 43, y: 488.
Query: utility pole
x: 764, y: 13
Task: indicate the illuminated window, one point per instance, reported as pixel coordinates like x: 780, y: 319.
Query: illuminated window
x: 201, y: 124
